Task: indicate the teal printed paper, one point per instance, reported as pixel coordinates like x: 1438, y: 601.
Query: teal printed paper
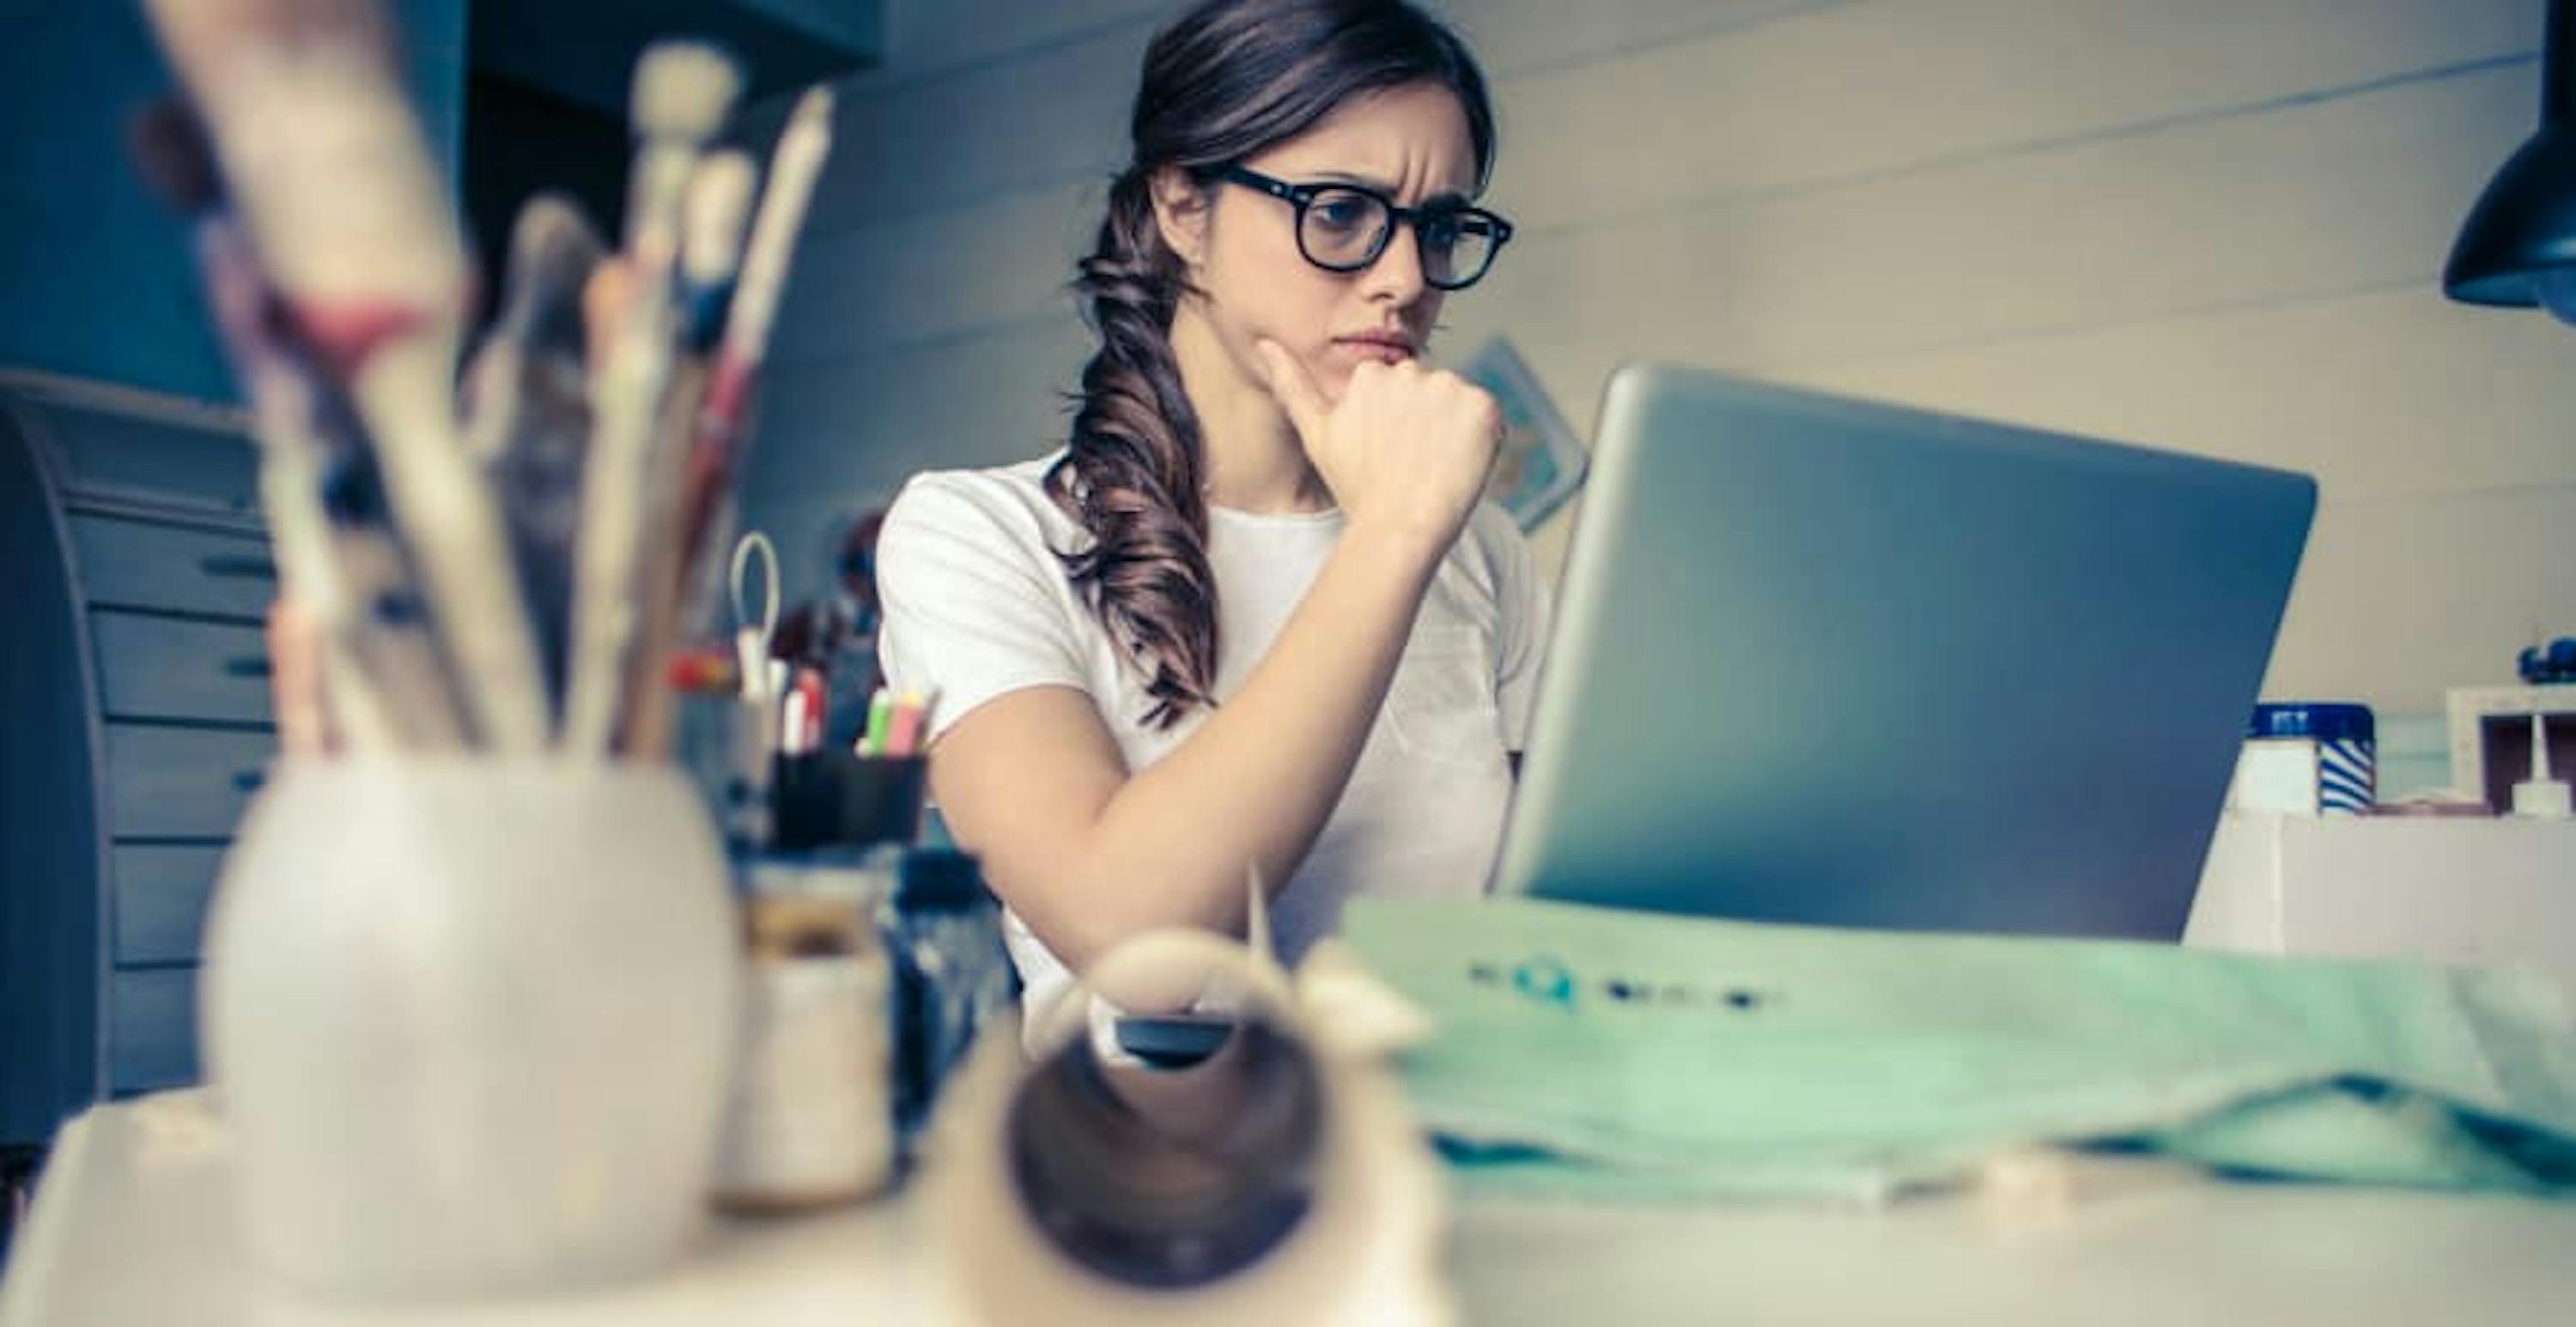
x: 1598, y: 1051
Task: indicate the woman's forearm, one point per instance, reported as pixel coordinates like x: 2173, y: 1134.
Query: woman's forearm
x: 1256, y: 782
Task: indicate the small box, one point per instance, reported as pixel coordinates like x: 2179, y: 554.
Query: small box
x: 2445, y: 889
x: 2307, y: 759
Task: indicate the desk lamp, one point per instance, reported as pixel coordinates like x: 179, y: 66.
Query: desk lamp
x: 2518, y: 247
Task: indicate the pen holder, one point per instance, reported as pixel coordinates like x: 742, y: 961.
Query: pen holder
x: 834, y: 798
x: 473, y: 1022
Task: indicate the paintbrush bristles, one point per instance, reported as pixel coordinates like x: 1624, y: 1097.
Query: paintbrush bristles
x: 589, y: 469
x: 792, y: 172
x: 715, y: 213
x: 683, y: 89
x: 552, y: 252
x: 682, y: 93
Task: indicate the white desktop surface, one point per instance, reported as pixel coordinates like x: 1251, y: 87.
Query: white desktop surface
x: 133, y: 1225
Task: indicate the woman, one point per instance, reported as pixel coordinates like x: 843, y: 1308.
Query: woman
x: 1253, y: 614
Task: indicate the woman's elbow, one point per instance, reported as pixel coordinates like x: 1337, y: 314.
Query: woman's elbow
x: 1080, y: 916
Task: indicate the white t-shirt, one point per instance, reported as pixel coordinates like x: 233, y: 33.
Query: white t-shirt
x: 978, y: 604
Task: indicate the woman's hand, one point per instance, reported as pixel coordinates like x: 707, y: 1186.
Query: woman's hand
x: 1083, y: 848
x: 1406, y: 451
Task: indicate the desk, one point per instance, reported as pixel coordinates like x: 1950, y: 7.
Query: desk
x: 132, y: 1225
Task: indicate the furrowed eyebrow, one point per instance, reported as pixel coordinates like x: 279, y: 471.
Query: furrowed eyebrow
x: 1446, y: 199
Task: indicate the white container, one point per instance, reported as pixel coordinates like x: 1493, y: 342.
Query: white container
x: 2440, y: 888
x: 812, y: 1121
x: 472, y: 1022
x: 2307, y: 758
x: 812, y: 1116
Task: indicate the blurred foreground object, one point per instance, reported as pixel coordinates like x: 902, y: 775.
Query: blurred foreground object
x: 512, y: 574
x: 475, y: 978
x: 1276, y: 1177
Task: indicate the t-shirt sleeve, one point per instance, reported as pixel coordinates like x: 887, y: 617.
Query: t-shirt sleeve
x: 970, y: 610
x: 1522, y: 594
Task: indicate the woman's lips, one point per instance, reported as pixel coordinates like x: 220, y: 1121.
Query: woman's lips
x: 1387, y: 350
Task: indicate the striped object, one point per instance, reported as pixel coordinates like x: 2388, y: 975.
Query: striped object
x: 2308, y: 758
x: 2347, y: 777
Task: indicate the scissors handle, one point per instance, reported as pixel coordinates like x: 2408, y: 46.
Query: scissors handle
x: 751, y: 643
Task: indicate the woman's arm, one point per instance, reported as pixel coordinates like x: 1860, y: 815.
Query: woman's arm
x: 1088, y: 854
x: 1033, y: 783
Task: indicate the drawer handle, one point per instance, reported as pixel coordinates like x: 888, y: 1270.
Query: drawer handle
x: 247, y: 665
x: 248, y: 780
x: 239, y: 567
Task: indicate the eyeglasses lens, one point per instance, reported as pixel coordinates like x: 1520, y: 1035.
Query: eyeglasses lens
x: 1345, y: 229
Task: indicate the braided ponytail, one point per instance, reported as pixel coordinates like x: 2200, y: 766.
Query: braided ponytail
x: 1131, y: 474
x: 1221, y: 82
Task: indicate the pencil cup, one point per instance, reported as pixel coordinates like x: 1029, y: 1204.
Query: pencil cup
x: 473, y: 1022
x: 833, y: 798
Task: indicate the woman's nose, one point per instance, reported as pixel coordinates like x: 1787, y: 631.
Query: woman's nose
x: 1397, y: 273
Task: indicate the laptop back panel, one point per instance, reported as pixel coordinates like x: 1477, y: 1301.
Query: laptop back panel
x: 1833, y: 662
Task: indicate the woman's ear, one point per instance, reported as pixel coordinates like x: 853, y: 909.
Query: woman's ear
x: 1181, y: 214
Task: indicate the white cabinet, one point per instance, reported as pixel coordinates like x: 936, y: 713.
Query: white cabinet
x: 2465, y: 890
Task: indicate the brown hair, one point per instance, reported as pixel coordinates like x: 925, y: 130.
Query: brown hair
x: 1221, y: 82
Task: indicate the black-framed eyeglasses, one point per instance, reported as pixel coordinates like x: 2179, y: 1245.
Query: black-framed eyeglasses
x: 1344, y: 227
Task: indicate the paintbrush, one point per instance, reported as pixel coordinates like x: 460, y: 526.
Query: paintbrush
x: 528, y: 412
x: 717, y: 206
x: 347, y: 213
x: 379, y: 672
x: 716, y: 214
x: 682, y: 93
x: 794, y: 167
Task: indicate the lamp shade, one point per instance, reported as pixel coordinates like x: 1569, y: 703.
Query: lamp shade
x: 2519, y: 244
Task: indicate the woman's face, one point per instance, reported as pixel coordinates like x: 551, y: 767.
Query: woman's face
x: 1409, y: 143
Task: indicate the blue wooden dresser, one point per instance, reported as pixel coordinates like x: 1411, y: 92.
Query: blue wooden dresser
x: 134, y: 679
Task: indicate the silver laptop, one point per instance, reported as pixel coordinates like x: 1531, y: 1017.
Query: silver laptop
x: 1818, y: 660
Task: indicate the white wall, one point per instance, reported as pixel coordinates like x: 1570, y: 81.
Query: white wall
x: 2210, y: 225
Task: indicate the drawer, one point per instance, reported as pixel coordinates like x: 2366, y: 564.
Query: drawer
x: 138, y: 564
x: 161, y: 895
x: 171, y: 668
x: 151, y: 449
x: 152, y: 1030
x: 181, y: 782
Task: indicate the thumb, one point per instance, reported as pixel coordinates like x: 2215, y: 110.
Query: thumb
x: 1294, y: 388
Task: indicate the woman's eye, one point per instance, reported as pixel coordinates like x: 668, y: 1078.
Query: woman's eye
x: 1341, y: 213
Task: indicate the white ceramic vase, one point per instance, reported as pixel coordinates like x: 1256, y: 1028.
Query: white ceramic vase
x: 472, y: 1022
